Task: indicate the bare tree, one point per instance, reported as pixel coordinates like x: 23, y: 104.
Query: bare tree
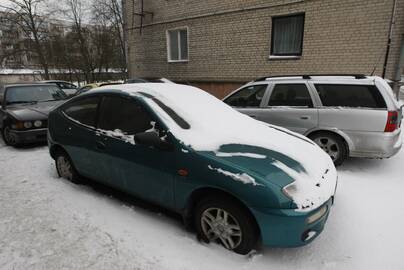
x: 75, y: 12
x: 110, y: 12
x: 25, y: 15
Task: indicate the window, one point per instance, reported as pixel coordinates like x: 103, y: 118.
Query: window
x: 27, y: 94
x: 338, y: 95
x: 177, y: 45
x: 83, y: 110
x: 295, y: 95
x: 250, y: 96
x: 124, y: 115
x: 64, y: 85
x: 287, y: 35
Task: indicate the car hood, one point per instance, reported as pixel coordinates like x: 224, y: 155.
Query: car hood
x: 313, y: 185
x: 38, y: 111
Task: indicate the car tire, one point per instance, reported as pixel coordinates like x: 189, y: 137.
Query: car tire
x: 7, y: 137
x: 226, y: 222
x: 65, y: 167
x: 333, y: 145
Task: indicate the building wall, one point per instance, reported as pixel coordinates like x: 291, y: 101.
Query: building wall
x: 232, y: 46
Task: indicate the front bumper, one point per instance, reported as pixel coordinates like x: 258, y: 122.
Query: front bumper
x: 288, y: 227
x: 30, y: 136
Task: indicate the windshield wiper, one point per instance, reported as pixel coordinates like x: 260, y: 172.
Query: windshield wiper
x: 22, y: 102
x: 48, y: 100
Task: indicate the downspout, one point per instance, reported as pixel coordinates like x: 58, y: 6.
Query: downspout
x: 392, y: 22
x: 399, y: 67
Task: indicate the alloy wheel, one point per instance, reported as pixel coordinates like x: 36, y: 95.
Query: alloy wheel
x: 330, y: 146
x: 220, y: 226
x: 8, y: 137
x: 64, y: 168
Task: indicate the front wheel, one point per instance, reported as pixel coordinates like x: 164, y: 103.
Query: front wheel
x: 65, y: 167
x: 333, y: 145
x: 227, y: 223
x: 8, y: 137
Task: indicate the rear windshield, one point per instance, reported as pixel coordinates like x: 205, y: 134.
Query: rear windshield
x: 363, y: 96
x: 28, y: 94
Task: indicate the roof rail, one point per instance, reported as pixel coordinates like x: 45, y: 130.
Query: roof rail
x: 309, y: 76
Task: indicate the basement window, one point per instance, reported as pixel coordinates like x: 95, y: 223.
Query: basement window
x: 177, y: 45
x: 287, y: 35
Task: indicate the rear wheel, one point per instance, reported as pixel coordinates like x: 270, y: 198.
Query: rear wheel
x: 333, y: 145
x: 9, y: 139
x: 225, y: 222
x: 65, y: 167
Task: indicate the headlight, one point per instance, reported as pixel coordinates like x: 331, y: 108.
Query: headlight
x: 18, y: 125
x: 38, y: 123
x: 27, y: 124
x: 319, y: 214
x: 290, y: 190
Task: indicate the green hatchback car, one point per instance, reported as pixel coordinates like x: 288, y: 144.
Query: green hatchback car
x: 238, y: 181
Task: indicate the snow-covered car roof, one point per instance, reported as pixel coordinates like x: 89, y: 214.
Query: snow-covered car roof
x: 214, y: 124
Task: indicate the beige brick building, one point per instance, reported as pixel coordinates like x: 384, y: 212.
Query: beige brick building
x: 220, y: 44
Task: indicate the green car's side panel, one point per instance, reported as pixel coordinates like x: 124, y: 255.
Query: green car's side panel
x: 139, y: 170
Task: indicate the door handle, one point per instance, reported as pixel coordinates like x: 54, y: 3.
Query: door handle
x: 305, y: 117
x: 100, y: 145
x: 252, y: 116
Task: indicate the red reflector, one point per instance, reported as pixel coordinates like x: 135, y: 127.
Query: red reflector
x: 183, y: 172
x: 392, y: 122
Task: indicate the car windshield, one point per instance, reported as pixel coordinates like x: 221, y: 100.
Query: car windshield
x: 33, y: 94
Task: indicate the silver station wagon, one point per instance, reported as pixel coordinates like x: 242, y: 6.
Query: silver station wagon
x: 346, y: 115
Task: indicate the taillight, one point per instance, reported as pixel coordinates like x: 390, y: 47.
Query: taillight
x: 392, y: 122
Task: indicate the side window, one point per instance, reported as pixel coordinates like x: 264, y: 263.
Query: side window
x: 68, y: 86
x: 124, y: 115
x: 365, y: 96
x: 2, y: 90
x: 296, y: 95
x: 83, y: 110
x: 250, y: 96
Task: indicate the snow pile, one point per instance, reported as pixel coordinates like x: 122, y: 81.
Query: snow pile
x: 117, y: 133
x: 214, y: 124
x: 250, y: 155
x: 241, y: 177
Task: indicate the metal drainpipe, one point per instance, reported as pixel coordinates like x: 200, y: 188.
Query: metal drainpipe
x: 399, y: 67
x: 392, y: 22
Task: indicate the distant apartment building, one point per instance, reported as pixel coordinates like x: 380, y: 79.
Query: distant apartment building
x: 218, y: 45
x: 15, y: 45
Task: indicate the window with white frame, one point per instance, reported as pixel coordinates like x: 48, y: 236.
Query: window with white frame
x: 177, y: 45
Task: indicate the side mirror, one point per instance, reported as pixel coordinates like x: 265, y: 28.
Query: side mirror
x: 152, y: 139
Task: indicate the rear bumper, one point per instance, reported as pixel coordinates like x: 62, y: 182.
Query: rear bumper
x: 288, y: 227
x: 29, y: 136
x: 376, y: 144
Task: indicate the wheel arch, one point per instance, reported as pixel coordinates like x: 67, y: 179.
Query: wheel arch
x: 348, y: 142
x: 56, y: 148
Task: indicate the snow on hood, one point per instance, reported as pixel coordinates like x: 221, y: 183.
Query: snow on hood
x: 214, y: 124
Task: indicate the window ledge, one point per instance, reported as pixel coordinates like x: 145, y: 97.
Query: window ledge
x: 284, y: 57
x: 178, y: 61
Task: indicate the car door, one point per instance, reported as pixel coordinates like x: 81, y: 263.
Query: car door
x: 248, y: 100
x: 290, y: 105
x: 135, y: 168
x: 77, y: 134
x: 2, y: 111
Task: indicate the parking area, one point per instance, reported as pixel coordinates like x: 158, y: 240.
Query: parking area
x: 49, y: 223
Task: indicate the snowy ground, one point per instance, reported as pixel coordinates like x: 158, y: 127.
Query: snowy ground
x: 49, y: 223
